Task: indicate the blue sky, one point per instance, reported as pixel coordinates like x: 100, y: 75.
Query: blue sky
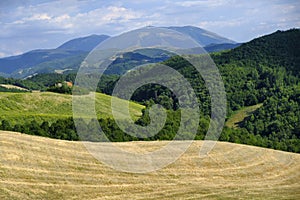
x: 36, y: 24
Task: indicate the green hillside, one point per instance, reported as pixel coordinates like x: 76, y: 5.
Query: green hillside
x: 264, y: 71
x: 279, y: 49
x: 18, y: 108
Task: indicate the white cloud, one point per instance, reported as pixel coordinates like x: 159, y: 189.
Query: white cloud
x: 61, y: 18
x: 18, y: 22
x: 204, y: 3
x: 2, y: 54
x: 85, y: 21
x: 222, y: 23
x: 39, y: 16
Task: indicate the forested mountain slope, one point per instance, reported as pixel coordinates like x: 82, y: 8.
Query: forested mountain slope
x: 279, y: 49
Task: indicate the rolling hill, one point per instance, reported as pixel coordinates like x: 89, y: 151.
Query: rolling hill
x: 34, y: 167
x: 19, y: 108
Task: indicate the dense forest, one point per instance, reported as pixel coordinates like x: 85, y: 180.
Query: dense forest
x: 264, y: 70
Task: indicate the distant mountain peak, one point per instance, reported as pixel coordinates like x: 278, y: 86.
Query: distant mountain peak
x: 83, y: 43
x: 202, y: 36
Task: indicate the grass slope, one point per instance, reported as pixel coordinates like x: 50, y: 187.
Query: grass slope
x: 24, y: 107
x: 238, y: 116
x: 34, y: 167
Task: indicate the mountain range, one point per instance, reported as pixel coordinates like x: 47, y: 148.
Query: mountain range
x: 68, y: 56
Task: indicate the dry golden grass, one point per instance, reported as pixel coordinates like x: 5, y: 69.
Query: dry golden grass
x: 33, y: 167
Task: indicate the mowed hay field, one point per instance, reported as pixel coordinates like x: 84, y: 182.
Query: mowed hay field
x: 33, y: 167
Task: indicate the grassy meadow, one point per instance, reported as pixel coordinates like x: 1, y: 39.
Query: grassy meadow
x: 239, y: 115
x: 47, y: 106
